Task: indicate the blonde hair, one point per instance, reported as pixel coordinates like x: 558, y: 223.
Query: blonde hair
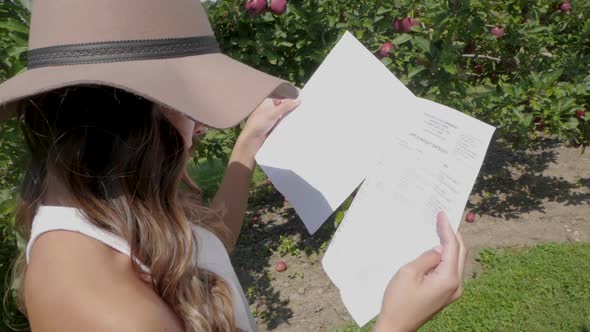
x: 128, y: 177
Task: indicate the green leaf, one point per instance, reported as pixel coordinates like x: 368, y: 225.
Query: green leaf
x: 402, y: 39
x: 383, y: 10
x: 272, y: 57
x: 571, y: 124
x: 417, y: 28
x: 331, y: 21
x: 338, y: 218
x: 422, y: 44
x: 538, y: 29
x: 286, y: 44
x: 451, y: 68
x: 268, y: 17
x: 11, y: 24
x: 441, y: 19
x: 386, y: 61
x: 16, y: 51
x: 550, y: 77
x: 415, y: 71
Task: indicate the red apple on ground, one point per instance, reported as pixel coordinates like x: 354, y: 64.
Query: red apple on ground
x: 470, y: 217
x: 386, y: 48
x: 565, y: 6
x: 255, y: 7
x: 497, y: 32
x: 278, y: 7
x: 255, y: 219
x: 281, y: 266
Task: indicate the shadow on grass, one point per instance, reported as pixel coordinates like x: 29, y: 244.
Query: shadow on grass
x: 511, y: 182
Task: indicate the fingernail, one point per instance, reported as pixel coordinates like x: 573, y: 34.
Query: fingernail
x: 438, y: 249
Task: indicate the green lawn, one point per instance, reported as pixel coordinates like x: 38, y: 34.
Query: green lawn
x: 543, y: 288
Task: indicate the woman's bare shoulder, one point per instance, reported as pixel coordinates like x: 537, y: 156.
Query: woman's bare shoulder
x: 76, y: 283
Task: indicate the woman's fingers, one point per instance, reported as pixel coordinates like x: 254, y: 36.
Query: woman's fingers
x: 286, y: 106
x: 426, y: 262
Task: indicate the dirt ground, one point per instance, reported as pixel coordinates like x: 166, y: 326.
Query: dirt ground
x: 521, y: 197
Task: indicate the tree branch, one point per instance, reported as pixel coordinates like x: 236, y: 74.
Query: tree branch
x: 479, y: 56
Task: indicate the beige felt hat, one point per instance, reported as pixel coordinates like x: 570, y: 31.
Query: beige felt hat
x: 164, y: 51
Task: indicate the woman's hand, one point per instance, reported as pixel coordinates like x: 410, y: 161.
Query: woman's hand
x: 232, y: 196
x: 261, y: 123
x: 426, y: 285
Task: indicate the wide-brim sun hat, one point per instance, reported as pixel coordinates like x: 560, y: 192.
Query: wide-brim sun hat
x: 164, y: 51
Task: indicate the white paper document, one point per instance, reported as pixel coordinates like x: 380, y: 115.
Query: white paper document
x: 322, y: 151
x: 430, y: 168
x: 358, y: 123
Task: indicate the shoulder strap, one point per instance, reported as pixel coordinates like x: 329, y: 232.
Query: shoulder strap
x: 54, y: 218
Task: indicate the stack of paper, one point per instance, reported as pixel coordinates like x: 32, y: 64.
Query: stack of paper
x: 358, y: 123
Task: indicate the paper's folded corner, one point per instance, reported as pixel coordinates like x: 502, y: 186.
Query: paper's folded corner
x: 310, y: 204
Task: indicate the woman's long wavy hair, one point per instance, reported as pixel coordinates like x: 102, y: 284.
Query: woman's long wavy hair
x: 124, y: 164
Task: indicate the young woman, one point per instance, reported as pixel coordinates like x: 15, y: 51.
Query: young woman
x: 118, y: 239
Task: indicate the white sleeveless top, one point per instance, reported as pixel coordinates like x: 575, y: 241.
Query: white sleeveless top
x: 212, y: 255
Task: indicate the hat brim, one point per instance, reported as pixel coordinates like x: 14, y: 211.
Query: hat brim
x: 213, y: 88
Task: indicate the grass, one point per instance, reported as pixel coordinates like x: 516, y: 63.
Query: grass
x: 542, y: 288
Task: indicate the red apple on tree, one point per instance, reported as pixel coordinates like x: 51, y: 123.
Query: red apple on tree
x: 404, y: 25
x: 581, y: 114
x: 497, y: 31
x: 565, y: 6
x: 386, y: 48
x: 255, y: 7
x: 408, y: 23
x: 278, y: 7
x: 397, y: 25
